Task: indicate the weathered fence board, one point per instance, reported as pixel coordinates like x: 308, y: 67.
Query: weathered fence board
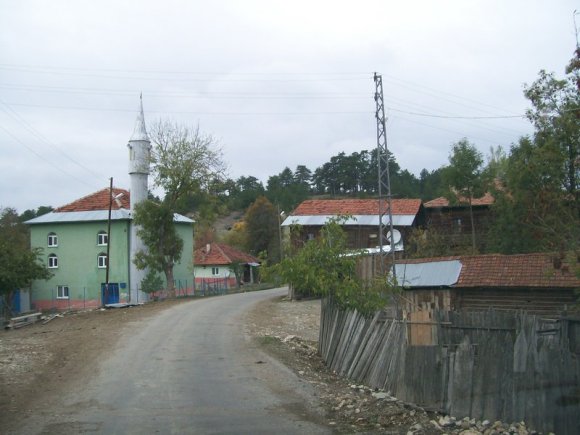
x: 483, y: 364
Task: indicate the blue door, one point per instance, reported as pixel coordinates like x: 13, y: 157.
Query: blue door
x: 16, y: 306
x: 112, y: 295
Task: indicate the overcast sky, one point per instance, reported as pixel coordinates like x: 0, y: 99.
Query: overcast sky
x: 277, y: 83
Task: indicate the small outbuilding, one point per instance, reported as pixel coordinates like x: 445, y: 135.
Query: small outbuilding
x: 539, y: 283
x: 221, y: 266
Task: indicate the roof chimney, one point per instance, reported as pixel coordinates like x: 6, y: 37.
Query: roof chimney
x: 208, y: 248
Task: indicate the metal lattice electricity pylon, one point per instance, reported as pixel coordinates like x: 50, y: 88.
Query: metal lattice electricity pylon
x: 385, y: 199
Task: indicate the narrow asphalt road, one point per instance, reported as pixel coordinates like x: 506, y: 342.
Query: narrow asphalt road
x: 189, y: 370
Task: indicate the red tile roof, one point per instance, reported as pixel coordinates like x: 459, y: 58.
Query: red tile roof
x: 486, y: 199
x: 521, y: 270
x: 98, y: 201
x: 313, y: 207
x: 220, y: 254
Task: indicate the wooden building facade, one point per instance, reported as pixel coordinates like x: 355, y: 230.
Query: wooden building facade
x: 362, y: 220
x: 453, y: 221
x: 534, y: 283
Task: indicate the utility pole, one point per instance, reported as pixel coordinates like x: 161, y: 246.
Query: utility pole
x: 385, y: 198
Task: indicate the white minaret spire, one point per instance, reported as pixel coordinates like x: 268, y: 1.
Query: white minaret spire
x: 139, y: 158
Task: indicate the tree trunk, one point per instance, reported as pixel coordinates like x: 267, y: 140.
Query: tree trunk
x: 170, y: 282
x: 473, y: 248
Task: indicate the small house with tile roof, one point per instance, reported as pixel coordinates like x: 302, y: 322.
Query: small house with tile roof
x: 80, y: 250
x: 539, y: 283
x: 453, y: 221
x: 220, y: 265
x: 362, y: 224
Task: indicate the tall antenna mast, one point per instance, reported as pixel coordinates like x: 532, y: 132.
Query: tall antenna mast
x: 385, y: 199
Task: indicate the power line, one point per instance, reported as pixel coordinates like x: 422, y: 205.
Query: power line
x: 193, y: 112
x: 141, y: 71
x: 14, y: 115
x: 198, y: 94
x: 213, y: 77
x: 431, y: 115
x: 40, y: 156
x: 394, y: 109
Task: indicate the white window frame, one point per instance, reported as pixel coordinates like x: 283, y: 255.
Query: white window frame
x: 215, y: 271
x: 52, y: 240
x: 62, y: 292
x: 102, y: 238
x: 53, y: 261
x: 102, y: 261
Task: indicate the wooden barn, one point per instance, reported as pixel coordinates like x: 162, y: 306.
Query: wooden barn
x: 453, y: 220
x: 362, y: 225
x: 542, y: 283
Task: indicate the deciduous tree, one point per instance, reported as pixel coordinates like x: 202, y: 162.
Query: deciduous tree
x: 19, y: 265
x: 185, y: 162
x: 323, y: 267
x: 463, y: 176
x: 262, y: 229
x: 538, y: 207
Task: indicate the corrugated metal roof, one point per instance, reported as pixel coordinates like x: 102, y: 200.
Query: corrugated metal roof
x: 92, y: 216
x: 365, y: 220
x: 433, y: 274
x: 536, y: 270
x: 80, y: 216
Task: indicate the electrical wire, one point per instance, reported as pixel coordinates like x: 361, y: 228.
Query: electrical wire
x: 18, y: 118
x: 45, y: 160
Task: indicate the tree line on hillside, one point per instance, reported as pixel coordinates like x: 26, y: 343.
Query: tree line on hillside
x: 353, y: 175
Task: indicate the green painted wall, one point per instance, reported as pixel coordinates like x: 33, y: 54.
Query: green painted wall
x: 183, y: 271
x: 77, y: 253
x: 78, y: 269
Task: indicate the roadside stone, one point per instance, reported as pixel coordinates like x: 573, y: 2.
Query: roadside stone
x: 465, y: 423
x: 446, y: 421
x: 436, y: 425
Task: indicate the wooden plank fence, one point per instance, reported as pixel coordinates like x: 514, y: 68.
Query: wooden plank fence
x: 492, y: 365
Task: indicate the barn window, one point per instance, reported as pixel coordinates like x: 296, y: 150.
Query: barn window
x: 215, y: 270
